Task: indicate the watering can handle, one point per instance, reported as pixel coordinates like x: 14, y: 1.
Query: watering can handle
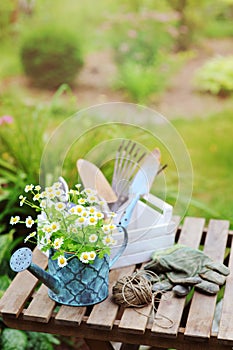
x: 122, y: 247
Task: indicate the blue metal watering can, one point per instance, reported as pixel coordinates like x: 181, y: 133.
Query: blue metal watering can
x: 77, y: 283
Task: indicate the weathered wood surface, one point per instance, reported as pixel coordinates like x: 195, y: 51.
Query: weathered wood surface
x: 226, y: 321
x: 41, y: 307
x: 23, y: 307
x: 70, y: 315
x: 170, y: 309
x: 104, y: 314
x: 202, y: 307
x: 21, y: 288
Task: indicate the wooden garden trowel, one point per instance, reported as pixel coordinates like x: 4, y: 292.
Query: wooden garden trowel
x: 92, y: 177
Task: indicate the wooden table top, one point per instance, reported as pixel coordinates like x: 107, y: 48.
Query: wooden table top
x: 26, y: 305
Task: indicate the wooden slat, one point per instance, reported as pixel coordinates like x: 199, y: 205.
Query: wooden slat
x: 226, y: 321
x: 104, y: 314
x: 171, y: 308
x: 70, y: 315
x: 21, y: 288
x: 136, y: 320
x: 41, y: 307
x: 202, y: 307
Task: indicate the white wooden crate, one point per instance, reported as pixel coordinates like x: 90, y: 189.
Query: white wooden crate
x: 150, y: 228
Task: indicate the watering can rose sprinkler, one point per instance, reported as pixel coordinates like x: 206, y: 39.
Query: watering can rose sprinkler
x: 75, y: 233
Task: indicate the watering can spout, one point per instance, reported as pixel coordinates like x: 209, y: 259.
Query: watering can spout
x: 22, y: 260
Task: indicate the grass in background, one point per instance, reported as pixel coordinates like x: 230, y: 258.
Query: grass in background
x: 210, y: 145
x: 9, y: 61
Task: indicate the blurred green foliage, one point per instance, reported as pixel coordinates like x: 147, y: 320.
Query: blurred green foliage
x: 51, y: 56
x: 216, y: 76
x: 209, y: 142
x: 7, y: 9
x: 13, y: 339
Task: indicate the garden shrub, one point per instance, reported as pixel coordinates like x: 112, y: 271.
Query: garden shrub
x: 140, y: 42
x: 51, y: 56
x: 13, y: 339
x: 216, y: 76
x: 138, y: 47
x: 139, y: 82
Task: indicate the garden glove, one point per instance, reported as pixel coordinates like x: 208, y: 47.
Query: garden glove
x: 181, y: 267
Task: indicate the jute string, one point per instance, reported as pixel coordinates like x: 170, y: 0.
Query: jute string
x: 136, y: 291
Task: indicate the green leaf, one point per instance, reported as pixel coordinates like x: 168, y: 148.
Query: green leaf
x: 56, y: 255
x: 5, y: 241
x: 4, y: 284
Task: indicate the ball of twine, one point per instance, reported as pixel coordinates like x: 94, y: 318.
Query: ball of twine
x: 134, y: 290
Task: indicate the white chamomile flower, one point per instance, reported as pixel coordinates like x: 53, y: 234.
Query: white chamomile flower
x: 79, y: 209
x: 112, y: 227
x: 106, y: 229
x: 60, y: 206
x: 43, y: 194
x: 51, y: 195
x: 56, y: 185
x: 62, y: 261
x: 55, y: 226
x: 43, y: 203
x: 92, y: 255
x: 84, y: 257
x: 29, y: 221
x: 29, y: 188
x: 32, y: 234
x: 99, y: 215
x: 38, y: 188
x: 59, y: 192
x: 73, y: 229
x: 47, y: 229
x: 78, y: 186
x: 107, y: 240
x: 82, y: 201
x: 85, y: 213
x: 92, y: 210
x: 22, y: 200
x: 93, y: 238
x: 14, y: 220
x: 114, y: 241
x: 81, y: 221
x: 49, y: 189
x: 72, y: 210
x: 58, y: 243
x: 36, y: 197
x: 87, y: 191
x: 92, y: 220
x: 92, y: 199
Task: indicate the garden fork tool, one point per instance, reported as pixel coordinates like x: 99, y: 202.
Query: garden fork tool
x: 142, y: 183
x: 128, y: 158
